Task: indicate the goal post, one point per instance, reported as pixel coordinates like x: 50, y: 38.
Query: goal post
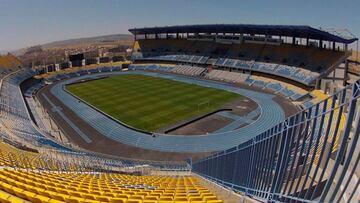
x: 204, y: 105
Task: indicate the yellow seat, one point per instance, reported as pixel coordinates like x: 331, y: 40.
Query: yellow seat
x: 141, y: 197
x: 28, y: 195
x: 108, y: 194
x: 95, y: 193
x: 214, y: 201
x: 118, y: 200
x: 156, y: 194
x: 19, y: 193
x: 88, y: 196
x: 129, y: 192
x: 4, y: 197
x: 8, y: 198
x: 151, y: 197
x: 166, y: 198
x: 45, y: 193
x: 143, y: 193
x: 208, y: 198
x: 62, y: 191
x: 195, y: 198
x: 89, y: 201
x: 133, y: 201
x: 55, y: 201
x: 59, y: 197
x: 180, y: 199
x: 8, y: 188
x: 102, y: 198
x: 206, y: 194
x: 123, y: 196
x: 74, y: 194
x: 84, y: 191
x: 150, y: 201
x: 39, y: 199
x: 50, y: 188
x: 180, y: 195
x: 73, y: 199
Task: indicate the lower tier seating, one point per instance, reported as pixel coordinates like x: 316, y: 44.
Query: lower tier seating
x: 102, y: 187
x: 188, y: 70
x: 227, y: 76
x: 285, y: 89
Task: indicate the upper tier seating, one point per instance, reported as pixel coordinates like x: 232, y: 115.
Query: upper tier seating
x: 311, y: 58
x: 300, y: 63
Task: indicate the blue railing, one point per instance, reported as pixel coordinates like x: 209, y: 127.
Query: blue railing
x: 311, y: 156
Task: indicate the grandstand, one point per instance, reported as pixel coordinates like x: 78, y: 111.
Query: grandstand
x: 307, y: 57
x: 188, y: 70
x: 226, y: 76
x: 287, y: 140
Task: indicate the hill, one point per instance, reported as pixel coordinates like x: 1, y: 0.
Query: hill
x: 55, y: 52
x: 105, y: 39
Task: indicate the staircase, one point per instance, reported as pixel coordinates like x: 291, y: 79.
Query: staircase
x: 228, y: 196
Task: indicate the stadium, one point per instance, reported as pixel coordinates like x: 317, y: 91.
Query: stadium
x: 198, y: 113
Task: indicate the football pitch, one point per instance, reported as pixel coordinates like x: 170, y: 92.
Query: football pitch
x: 150, y: 103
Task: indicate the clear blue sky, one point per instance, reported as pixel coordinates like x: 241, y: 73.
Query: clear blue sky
x: 29, y: 22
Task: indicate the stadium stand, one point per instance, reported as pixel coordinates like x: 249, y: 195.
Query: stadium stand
x: 291, y: 91
x: 18, y: 183
x: 296, y: 56
x: 76, y: 73
x: 178, y: 58
x: 188, y: 70
x: 165, y: 68
x: 102, y: 187
x: 234, y: 77
x: 303, y: 63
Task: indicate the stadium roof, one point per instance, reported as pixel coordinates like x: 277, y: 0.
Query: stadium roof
x: 275, y: 30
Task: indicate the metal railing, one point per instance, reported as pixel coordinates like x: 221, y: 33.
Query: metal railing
x: 311, y: 156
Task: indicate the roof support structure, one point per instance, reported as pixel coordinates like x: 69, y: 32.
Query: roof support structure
x: 267, y: 30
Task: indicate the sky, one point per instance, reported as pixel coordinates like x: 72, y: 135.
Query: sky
x: 26, y: 23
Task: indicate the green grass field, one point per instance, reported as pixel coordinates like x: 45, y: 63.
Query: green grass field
x: 150, y: 103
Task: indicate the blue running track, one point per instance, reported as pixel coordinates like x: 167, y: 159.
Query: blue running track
x: 271, y: 114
